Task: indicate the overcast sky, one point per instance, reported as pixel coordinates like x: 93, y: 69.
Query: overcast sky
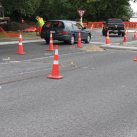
x: 134, y: 6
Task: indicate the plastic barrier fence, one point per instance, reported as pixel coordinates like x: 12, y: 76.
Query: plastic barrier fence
x: 99, y: 25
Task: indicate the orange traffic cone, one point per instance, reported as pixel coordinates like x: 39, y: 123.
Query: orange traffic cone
x: 55, y: 69
x: 20, y: 48
x: 135, y: 59
x: 127, y: 30
x: 125, y: 38
x: 79, y: 41
x: 92, y: 27
x: 107, y: 39
x: 50, y: 43
x: 102, y: 26
x: 135, y: 35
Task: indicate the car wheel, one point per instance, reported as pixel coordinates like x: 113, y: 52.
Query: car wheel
x: 103, y: 32
x: 47, y: 41
x: 72, y: 40
x: 119, y: 34
x: 88, y: 39
x: 123, y: 34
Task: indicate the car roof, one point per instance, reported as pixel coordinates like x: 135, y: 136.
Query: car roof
x: 62, y: 20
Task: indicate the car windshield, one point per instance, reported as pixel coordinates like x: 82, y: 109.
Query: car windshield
x: 54, y: 24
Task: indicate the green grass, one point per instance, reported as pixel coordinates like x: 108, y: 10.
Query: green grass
x: 25, y: 36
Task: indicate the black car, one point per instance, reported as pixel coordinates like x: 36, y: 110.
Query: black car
x: 65, y: 30
x: 114, y: 26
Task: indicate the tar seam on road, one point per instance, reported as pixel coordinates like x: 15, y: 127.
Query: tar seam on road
x: 35, y: 76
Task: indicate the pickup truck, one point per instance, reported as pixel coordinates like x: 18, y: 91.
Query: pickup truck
x: 114, y: 26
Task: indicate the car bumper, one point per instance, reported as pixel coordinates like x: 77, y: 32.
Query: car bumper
x: 116, y: 31
x: 55, y: 37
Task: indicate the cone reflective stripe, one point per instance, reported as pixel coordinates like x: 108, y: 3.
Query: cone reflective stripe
x: 79, y: 41
x: 50, y: 43
x: 55, y: 69
x: 125, y: 38
x: 20, y: 47
x: 107, y: 39
x: 135, y: 35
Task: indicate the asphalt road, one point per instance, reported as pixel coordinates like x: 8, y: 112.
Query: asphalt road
x: 96, y: 97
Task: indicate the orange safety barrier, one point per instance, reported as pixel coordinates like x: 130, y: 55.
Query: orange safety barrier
x: 31, y: 29
x: 85, y: 25
x: 8, y: 34
x: 130, y: 24
x: 98, y: 25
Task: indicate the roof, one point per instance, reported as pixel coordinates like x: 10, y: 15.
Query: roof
x: 62, y: 20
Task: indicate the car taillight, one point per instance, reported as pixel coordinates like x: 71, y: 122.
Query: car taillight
x: 107, y: 27
x: 63, y: 32
x: 43, y: 31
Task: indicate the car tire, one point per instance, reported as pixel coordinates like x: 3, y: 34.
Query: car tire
x: 88, y: 39
x: 119, y: 34
x: 72, y: 40
x: 103, y: 32
x: 47, y: 41
x: 123, y: 34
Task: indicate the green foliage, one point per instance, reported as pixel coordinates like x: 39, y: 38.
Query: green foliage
x: 27, y: 7
x: 96, y: 10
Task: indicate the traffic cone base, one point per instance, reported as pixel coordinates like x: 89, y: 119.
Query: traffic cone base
x: 20, y: 53
x: 55, y: 77
x: 135, y: 59
x: 50, y: 50
x: 78, y: 47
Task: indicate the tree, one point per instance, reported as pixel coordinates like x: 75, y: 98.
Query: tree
x: 19, y: 7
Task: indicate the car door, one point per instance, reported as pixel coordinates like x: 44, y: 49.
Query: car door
x: 82, y: 31
x: 76, y: 30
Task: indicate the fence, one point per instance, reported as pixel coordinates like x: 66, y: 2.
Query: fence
x: 100, y: 24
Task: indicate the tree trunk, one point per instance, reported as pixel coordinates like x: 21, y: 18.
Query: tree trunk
x: 18, y: 16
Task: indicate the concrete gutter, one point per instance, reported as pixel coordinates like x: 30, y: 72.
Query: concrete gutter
x: 118, y: 47
x: 121, y: 46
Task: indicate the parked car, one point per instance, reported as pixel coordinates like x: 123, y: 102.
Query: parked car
x: 65, y: 30
x: 114, y: 26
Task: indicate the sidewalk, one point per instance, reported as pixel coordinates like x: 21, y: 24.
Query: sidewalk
x: 15, y: 42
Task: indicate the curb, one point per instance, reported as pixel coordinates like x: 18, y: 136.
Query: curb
x: 15, y: 42
x: 118, y: 47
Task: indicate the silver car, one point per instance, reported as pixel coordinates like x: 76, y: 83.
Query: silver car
x: 65, y: 30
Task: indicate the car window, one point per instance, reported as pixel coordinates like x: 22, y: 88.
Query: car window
x: 47, y: 24
x: 54, y: 24
x: 69, y: 25
x: 60, y: 25
x: 79, y: 26
x: 75, y: 26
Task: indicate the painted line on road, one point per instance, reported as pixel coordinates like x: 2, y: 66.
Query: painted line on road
x: 97, y: 42
x: 35, y: 76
